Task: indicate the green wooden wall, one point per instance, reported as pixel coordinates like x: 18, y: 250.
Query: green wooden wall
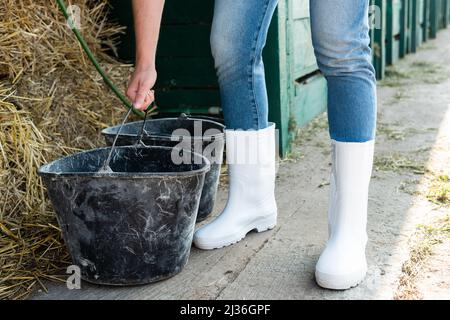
x: 186, y: 77
x: 417, y: 19
x: 296, y: 89
x: 378, y: 37
x: 393, y: 29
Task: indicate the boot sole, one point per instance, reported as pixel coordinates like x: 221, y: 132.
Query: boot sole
x: 259, y: 225
x: 342, y: 282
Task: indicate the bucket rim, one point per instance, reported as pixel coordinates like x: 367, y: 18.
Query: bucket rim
x: 219, y: 136
x: 44, y: 172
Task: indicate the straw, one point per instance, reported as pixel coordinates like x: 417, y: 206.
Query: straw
x: 52, y: 102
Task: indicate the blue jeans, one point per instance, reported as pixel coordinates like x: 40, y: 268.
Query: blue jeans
x: 340, y: 33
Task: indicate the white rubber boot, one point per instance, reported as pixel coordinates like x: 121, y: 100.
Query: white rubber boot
x: 342, y: 264
x: 251, y: 199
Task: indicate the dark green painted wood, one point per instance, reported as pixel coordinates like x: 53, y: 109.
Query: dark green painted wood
x: 448, y: 11
x: 184, y: 41
x: 311, y: 92
x: 442, y: 13
x: 186, y: 72
x: 410, y: 23
x: 277, y: 73
x: 405, y: 28
x: 445, y: 13
x: 187, y: 98
x: 188, y: 12
x: 416, y: 30
x: 121, y: 13
x: 378, y: 36
x: 420, y: 33
x: 393, y: 28
x: 187, y: 80
x: 435, y: 7
x: 426, y: 20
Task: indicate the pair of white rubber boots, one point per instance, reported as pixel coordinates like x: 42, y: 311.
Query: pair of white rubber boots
x: 251, y: 203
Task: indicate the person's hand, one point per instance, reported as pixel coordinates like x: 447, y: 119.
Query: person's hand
x: 140, y: 87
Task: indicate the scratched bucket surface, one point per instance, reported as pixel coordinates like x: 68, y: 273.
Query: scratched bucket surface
x: 133, y: 226
x: 198, y: 135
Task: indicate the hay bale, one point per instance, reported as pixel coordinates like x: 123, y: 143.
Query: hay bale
x: 52, y: 103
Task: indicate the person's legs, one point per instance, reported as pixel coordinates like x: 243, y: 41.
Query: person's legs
x: 340, y: 33
x: 238, y: 36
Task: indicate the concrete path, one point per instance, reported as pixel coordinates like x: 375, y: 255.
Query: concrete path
x: 279, y: 264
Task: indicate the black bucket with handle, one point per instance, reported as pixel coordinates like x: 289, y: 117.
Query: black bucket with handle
x: 131, y: 226
x: 198, y: 135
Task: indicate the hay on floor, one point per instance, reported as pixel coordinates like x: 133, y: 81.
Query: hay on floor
x: 52, y: 102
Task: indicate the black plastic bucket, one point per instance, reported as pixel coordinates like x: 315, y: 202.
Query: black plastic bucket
x: 198, y: 135
x: 132, y: 226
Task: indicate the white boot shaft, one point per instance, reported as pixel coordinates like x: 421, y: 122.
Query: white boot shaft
x: 343, y: 264
x: 251, y: 169
x: 350, y: 177
x: 251, y: 199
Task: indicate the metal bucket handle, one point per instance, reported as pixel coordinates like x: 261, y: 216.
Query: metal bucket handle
x: 105, y: 166
x: 141, y: 133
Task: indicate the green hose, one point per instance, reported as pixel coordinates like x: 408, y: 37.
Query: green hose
x: 97, y: 66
